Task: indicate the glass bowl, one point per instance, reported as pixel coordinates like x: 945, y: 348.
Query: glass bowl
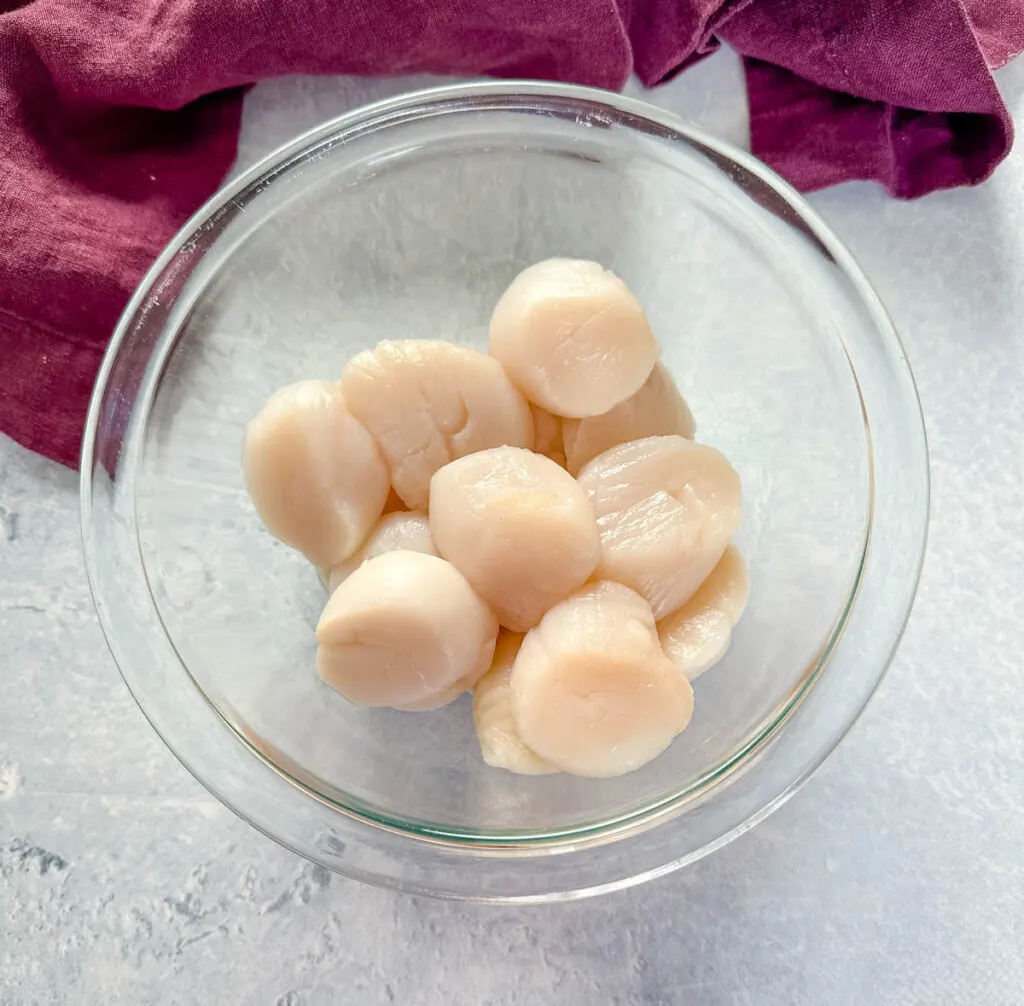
x: 406, y: 219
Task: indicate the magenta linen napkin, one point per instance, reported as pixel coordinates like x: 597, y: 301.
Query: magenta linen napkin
x: 119, y: 117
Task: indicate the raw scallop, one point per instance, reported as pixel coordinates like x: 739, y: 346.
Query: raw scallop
x: 547, y: 439
x: 518, y: 527
x: 697, y: 635
x: 405, y: 529
x: 315, y: 475
x: 592, y: 690
x: 572, y: 337
x: 430, y: 402
x: 655, y: 410
x: 496, y: 728
x: 666, y: 508
x: 404, y: 630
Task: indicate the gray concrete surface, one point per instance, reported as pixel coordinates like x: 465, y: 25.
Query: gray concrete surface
x: 895, y: 877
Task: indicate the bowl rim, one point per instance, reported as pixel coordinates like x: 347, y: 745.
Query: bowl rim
x: 556, y: 887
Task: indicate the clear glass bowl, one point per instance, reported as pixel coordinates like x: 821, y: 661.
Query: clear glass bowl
x: 406, y: 219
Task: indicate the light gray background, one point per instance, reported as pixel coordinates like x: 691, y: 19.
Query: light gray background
x: 896, y: 876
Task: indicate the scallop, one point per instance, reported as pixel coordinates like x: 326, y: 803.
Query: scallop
x: 429, y: 402
x: 393, y: 504
x: 404, y: 630
x: 315, y: 475
x: 438, y: 699
x: 666, y: 508
x: 547, y: 439
x: 518, y: 527
x: 406, y: 530
x: 697, y: 636
x: 655, y: 410
x: 496, y: 728
x: 572, y: 337
x: 592, y: 690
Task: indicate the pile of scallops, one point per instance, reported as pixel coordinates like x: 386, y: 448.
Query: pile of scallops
x: 536, y: 525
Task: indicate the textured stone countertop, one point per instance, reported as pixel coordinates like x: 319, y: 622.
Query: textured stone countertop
x: 895, y: 877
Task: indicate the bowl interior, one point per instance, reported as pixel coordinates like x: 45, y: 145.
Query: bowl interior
x: 412, y: 230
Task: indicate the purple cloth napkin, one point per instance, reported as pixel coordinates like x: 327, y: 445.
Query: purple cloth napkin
x: 119, y: 117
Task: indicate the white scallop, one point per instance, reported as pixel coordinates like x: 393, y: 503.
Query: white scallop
x: 496, y: 728
x: 697, y: 635
x: 518, y: 527
x: 666, y: 508
x: 404, y: 630
x: 655, y: 410
x: 547, y: 438
x: 429, y: 402
x: 405, y: 529
x: 592, y: 690
x: 572, y: 337
x: 315, y: 475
